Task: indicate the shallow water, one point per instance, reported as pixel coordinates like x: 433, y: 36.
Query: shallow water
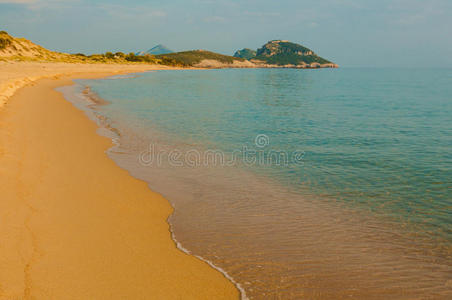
x: 323, y: 183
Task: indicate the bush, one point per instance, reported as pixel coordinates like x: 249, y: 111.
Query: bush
x: 120, y: 55
x: 109, y: 55
x: 140, y: 58
x: 132, y: 57
x: 4, y: 42
x: 190, y: 58
x: 171, y: 62
x: 97, y: 57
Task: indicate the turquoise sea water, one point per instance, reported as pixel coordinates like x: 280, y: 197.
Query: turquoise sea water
x: 372, y: 143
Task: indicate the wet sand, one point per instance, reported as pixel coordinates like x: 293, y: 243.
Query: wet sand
x: 73, y: 225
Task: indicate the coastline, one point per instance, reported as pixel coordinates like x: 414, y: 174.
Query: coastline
x: 363, y: 246
x: 63, y: 236
x: 15, y: 75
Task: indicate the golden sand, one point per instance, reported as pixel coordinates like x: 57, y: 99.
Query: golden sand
x: 14, y: 75
x: 73, y: 225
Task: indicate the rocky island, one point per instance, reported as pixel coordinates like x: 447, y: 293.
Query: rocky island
x: 284, y: 54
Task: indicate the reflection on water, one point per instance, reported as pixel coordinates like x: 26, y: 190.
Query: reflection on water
x: 366, y: 215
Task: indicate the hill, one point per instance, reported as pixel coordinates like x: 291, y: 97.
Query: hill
x: 21, y: 49
x: 245, y: 53
x: 205, y: 59
x: 12, y: 47
x: 286, y: 54
x: 157, y: 50
x: 274, y: 54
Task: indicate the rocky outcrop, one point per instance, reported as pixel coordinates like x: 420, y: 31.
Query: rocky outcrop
x: 276, y: 47
x: 284, y: 54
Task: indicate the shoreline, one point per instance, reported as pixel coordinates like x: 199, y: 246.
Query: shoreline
x: 114, y: 135
x: 359, y: 231
x: 15, y: 75
x: 110, y: 243
x: 26, y: 72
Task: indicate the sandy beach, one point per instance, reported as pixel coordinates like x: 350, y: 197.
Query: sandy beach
x: 73, y: 225
x: 14, y: 75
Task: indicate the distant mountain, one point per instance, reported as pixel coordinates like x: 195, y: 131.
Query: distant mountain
x: 157, y: 50
x: 286, y: 54
x: 245, y: 53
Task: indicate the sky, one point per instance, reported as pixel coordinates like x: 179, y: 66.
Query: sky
x: 352, y: 33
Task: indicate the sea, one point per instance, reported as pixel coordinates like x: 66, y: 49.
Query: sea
x: 296, y: 184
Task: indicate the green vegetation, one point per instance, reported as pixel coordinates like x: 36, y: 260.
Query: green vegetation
x: 191, y: 58
x: 245, y: 53
x: 140, y: 58
x: 4, y: 43
x: 282, y: 47
x: 292, y: 59
x: 21, y: 49
x: 167, y: 61
x: 282, y: 53
x: 109, y: 55
x: 287, y: 53
x: 273, y: 53
x: 5, y: 40
x: 120, y: 55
